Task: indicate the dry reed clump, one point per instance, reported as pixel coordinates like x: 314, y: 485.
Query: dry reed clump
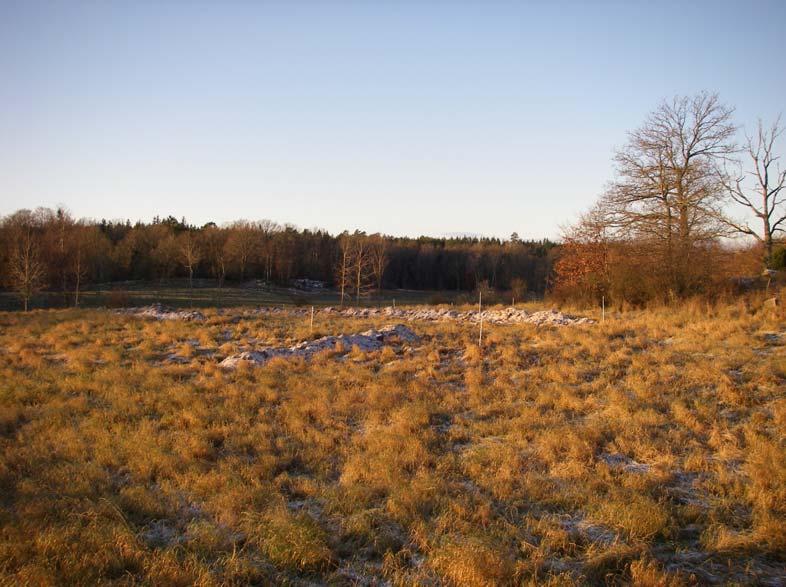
x: 291, y: 541
x: 645, y: 450
x: 641, y: 518
x: 466, y: 560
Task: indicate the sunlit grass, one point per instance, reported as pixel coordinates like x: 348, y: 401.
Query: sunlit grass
x: 648, y: 449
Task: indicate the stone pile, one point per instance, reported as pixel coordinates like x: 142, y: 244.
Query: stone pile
x: 501, y: 316
x: 162, y: 312
x: 425, y: 313
x: 370, y: 340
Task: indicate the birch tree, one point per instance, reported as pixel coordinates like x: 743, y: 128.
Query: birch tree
x: 361, y: 265
x: 77, y: 257
x: 343, y: 265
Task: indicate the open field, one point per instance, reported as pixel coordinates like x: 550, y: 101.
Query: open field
x: 649, y: 449
x: 205, y: 294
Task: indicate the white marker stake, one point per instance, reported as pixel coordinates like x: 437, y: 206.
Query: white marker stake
x: 312, y: 320
x: 480, y: 313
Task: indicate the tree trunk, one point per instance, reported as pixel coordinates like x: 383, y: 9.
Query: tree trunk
x: 76, y: 290
x: 767, y: 227
x: 671, y: 275
x: 767, y: 244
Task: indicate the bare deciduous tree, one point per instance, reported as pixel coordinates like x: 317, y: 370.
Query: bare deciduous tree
x: 344, y: 264
x: 241, y: 245
x: 354, y: 270
x: 769, y: 182
x: 78, y: 251
x: 668, y: 191
x: 267, y: 230
x: 361, y: 265
x: 379, y: 259
x: 26, y: 271
x: 165, y: 255
x: 63, y: 226
x: 190, y: 254
x: 518, y: 289
x: 214, y: 241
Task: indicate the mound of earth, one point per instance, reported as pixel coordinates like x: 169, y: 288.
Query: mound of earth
x: 370, y: 340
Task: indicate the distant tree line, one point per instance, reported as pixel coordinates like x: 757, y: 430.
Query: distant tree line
x: 50, y: 250
x: 660, y: 231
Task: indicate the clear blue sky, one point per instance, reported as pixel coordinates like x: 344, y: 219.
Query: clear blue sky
x: 400, y: 117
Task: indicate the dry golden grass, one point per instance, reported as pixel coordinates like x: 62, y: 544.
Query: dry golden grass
x: 647, y: 450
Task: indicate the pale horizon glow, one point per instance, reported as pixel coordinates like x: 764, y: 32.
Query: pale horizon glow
x: 402, y: 118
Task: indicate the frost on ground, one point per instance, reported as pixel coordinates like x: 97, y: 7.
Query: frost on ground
x: 370, y: 340
x: 162, y: 312
x: 621, y: 462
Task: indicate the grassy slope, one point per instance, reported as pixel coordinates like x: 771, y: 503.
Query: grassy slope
x: 648, y: 449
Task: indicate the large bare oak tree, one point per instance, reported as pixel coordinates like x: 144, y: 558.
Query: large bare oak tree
x: 668, y: 190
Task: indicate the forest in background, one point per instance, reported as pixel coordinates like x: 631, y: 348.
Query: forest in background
x: 663, y: 230
x: 48, y: 249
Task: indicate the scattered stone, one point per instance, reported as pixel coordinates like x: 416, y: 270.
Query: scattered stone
x: 160, y: 534
x: 621, y: 462
x: 370, y: 340
x: 684, y: 490
x: 773, y: 338
x: 595, y: 533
